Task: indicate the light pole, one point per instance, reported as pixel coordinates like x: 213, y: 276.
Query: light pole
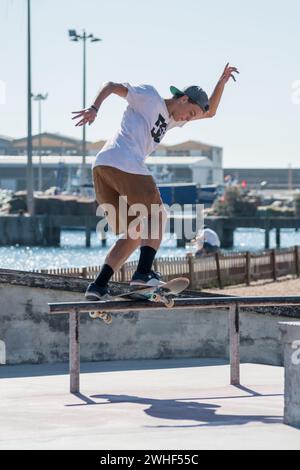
x: 40, y: 98
x: 29, y: 169
x: 84, y: 37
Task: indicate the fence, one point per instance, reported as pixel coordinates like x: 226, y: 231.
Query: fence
x: 216, y: 270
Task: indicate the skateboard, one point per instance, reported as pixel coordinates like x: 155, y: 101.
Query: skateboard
x: 164, y: 293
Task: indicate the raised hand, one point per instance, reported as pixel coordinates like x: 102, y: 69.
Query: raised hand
x: 229, y: 73
x: 86, y: 116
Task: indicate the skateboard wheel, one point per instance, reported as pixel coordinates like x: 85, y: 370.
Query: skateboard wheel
x: 107, y: 319
x: 93, y: 315
x: 169, y: 303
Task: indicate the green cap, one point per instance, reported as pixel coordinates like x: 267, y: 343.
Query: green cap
x: 195, y: 93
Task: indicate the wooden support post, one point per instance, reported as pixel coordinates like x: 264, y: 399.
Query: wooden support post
x: 191, y: 259
x: 234, y: 338
x: 267, y: 239
x: 84, y: 272
x: 278, y: 237
x: 87, y: 237
x: 296, y: 255
x: 273, y: 265
x: 219, y: 274
x: 248, y: 268
x: 74, y: 351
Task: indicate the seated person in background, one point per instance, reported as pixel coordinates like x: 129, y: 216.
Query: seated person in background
x: 207, y: 242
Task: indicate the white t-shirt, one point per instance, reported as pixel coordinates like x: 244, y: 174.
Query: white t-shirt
x: 207, y: 236
x: 144, y: 124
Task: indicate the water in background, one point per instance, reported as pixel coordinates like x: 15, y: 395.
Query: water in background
x: 73, y: 253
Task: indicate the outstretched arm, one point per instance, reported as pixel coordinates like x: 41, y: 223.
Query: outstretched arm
x: 216, y: 96
x: 107, y: 89
x: 89, y: 115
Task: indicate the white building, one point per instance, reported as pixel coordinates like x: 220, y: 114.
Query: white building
x: 189, y: 162
x: 182, y: 170
x: 203, y: 161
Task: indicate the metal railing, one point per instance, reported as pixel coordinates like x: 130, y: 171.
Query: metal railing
x: 231, y: 303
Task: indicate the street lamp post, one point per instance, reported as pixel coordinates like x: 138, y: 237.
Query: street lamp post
x: 29, y: 169
x: 40, y: 98
x: 84, y: 37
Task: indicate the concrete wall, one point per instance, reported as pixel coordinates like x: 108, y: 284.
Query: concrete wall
x: 31, y: 335
x: 290, y: 332
x: 28, y: 231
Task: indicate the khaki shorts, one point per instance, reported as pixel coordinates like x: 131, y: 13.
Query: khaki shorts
x: 120, y: 195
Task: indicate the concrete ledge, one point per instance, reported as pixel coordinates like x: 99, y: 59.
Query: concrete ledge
x: 290, y: 334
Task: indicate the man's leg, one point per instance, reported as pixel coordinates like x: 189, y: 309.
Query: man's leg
x: 108, y: 199
x: 144, y: 201
x: 123, y: 248
x: 119, y: 220
x: 110, y: 183
x: 116, y: 257
x: 150, y: 243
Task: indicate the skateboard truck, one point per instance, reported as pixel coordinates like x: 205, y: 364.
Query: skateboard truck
x: 160, y: 296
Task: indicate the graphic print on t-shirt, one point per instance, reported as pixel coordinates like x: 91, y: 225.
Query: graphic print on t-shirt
x: 144, y: 124
x: 159, y: 129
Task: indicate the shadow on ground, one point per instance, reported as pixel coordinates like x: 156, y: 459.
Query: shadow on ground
x: 204, y: 414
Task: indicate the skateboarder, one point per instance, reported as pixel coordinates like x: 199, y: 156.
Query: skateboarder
x: 120, y: 175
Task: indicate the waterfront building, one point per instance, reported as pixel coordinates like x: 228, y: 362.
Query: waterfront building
x: 188, y: 162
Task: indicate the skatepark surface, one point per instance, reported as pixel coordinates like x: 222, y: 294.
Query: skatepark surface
x: 144, y: 404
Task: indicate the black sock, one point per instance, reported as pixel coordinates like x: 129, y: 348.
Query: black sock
x: 146, y: 259
x: 104, y: 276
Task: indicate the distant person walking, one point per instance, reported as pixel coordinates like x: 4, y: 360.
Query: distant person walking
x: 122, y: 179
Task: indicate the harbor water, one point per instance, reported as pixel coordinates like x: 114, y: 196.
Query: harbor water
x: 73, y: 253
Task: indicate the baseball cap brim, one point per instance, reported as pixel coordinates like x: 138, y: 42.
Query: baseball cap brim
x: 176, y: 91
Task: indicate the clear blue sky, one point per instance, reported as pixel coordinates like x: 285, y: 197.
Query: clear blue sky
x: 162, y: 43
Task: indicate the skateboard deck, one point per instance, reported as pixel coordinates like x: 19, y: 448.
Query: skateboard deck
x: 164, y: 293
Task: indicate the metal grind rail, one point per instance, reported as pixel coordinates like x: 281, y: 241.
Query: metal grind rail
x: 233, y: 304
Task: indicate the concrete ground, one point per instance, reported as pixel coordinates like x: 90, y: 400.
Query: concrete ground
x: 144, y: 404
